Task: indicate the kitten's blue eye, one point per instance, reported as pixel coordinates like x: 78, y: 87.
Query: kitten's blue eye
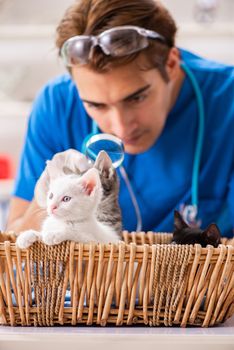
x: 51, y: 195
x: 66, y: 199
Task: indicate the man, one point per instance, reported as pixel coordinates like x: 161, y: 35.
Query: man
x: 126, y: 75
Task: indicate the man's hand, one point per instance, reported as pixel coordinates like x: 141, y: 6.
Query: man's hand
x: 24, y: 215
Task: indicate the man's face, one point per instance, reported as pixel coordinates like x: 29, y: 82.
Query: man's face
x: 127, y: 102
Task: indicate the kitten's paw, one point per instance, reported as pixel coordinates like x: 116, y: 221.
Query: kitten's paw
x: 27, y: 238
x: 51, y: 238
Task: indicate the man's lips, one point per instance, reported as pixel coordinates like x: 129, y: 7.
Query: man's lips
x: 132, y: 138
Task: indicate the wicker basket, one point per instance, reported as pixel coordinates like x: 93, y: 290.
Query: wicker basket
x: 143, y: 280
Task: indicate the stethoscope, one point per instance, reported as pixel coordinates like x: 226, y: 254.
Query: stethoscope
x: 96, y: 141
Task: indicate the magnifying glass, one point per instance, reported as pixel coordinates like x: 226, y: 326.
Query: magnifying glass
x: 112, y: 145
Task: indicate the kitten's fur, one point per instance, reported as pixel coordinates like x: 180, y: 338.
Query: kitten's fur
x: 62, y: 163
x: 74, y: 162
x: 183, y: 234
x: 108, y: 210
x: 72, y: 203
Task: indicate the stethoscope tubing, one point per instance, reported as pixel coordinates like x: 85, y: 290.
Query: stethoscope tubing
x: 200, y: 134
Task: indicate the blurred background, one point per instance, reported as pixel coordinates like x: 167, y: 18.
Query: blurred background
x: 28, y: 58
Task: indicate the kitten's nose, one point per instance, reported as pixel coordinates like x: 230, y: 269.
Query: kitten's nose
x: 53, y: 207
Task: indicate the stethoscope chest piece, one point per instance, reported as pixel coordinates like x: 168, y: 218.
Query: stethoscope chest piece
x: 189, y: 215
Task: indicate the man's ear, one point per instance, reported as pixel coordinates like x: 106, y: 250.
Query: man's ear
x: 173, y: 63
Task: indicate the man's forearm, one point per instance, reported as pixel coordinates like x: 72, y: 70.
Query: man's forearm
x: 31, y: 219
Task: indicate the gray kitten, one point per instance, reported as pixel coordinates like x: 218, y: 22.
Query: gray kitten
x: 109, y: 211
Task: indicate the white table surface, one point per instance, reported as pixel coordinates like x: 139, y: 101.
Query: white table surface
x: 140, y: 338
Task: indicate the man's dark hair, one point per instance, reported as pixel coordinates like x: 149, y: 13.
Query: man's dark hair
x: 91, y: 17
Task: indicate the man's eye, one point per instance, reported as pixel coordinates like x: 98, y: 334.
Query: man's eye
x: 51, y: 195
x: 95, y: 106
x: 138, y: 98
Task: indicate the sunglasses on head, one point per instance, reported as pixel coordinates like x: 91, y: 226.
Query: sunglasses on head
x: 116, y: 42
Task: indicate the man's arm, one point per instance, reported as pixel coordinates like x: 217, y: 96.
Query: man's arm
x: 39, y: 146
x: 24, y: 215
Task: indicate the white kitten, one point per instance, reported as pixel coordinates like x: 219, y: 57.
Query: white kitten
x: 72, y: 203
x: 70, y: 161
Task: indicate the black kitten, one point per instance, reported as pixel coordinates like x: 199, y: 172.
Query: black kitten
x: 184, y: 234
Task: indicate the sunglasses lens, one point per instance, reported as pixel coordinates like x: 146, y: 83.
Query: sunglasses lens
x: 122, y: 42
x: 76, y: 51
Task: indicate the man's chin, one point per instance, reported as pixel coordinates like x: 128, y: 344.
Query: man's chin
x: 135, y: 149
x: 139, y: 145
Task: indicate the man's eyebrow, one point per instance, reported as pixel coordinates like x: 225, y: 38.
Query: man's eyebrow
x: 134, y: 94
x: 139, y: 91
x: 92, y: 102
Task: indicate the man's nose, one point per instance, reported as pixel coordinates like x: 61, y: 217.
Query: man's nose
x: 123, y: 123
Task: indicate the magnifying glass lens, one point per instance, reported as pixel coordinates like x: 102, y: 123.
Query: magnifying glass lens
x: 112, y: 145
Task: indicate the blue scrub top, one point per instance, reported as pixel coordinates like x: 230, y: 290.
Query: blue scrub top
x: 161, y: 176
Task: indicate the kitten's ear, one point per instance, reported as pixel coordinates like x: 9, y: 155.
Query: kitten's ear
x: 212, y: 235
x: 90, y: 181
x: 103, y: 163
x: 179, y: 223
